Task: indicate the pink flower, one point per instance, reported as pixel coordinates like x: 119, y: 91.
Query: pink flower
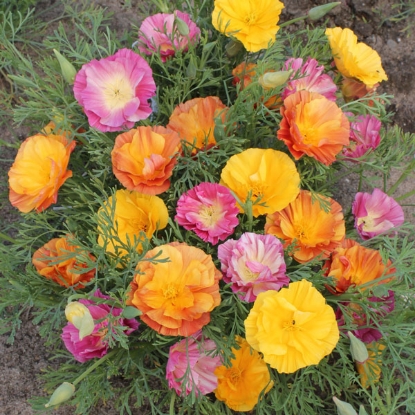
x: 253, y: 264
x: 114, y: 91
x: 95, y: 345
x: 162, y: 33
x: 209, y: 210
x: 364, y: 135
x: 308, y: 77
x: 376, y: 213
x: 191, y: 367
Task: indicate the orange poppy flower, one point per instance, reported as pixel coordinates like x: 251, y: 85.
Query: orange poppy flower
x: 143, y: 159
x: 314, y: 230
x: 176, y: 296
x: 60, y: 261
x: 313, y: 125
x: 357, y: 265
x: 194, y: 121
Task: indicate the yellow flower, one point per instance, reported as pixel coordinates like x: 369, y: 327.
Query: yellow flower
x: 240, y: 384
x: 355, y: 59
x: 253, y: 22
x: 270, y: 176
x: 135, y: 216
x: 293, y: 327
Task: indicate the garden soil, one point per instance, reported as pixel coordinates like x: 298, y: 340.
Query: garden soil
x: 22, y: 361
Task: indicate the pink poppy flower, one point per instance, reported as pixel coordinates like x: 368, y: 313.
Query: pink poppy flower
x: 364, y: 135
x: 253, y: 264
x: 95, y: 345
x: 164, y: 34
x: 191, y: 366
x: 209, y: 210
x: 114, y: 91
x: 376, y: 213
x: 308, y: 76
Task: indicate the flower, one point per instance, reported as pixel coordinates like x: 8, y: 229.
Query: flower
x: 353, y: 90
x: 176, y: 297
x: 39, y: 170
x: 143, y: 159
x: 61, y: 261
x: 161, y: 34
x: 95, y: 344
x: 355, y: 59
x: 241, y: 383
x: 252, y: 22
x: 357, y: 266
x: 308, y: 76
x: 364, y: 135
x: 209, y: 210
x: 127, y: 217
x: 376, y: 213
x: 114, y: 91
x: 370, y: 370
x: 194, y: 121
x: 268, y: 178
x: 315, y: 230
x: 314, y: 126
x: 254, y: 263
x: 293, y: 327
x: 191, y: 366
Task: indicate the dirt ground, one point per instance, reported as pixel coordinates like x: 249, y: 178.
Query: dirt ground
x: 21, y: 362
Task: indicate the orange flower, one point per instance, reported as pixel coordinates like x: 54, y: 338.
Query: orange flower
x: 370, y: 370
x: 305, y: 222
x: 313, y: 125
x: 143, y: 158
x: 176, y: 296
x: 39, y: 170
x: 268, y: 176
x: 194, y: 121
x: 60, y: 260
x: 241, y: 384
x: 135, y: 216
x: 356, y: 266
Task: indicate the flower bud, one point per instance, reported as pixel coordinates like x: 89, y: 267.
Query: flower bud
x: 79, y: 315
x: 358, y: 349
x: 61, y: 394
x: 362, y: 410
x: 182, y: 26
x: 233, y: 47
x: 344, y: 408
x: 319, y: 11
x: 67, y: 69
x: 191, y: 70
x: 273, y: 79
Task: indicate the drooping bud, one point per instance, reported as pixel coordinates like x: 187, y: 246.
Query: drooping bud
x: 344, y: 408
x: 182, y: 26
x: 271, y: 80
x: 319, y: 11
x: 61, y: 394
x: 67, y: 69
x: 79, y: 315
x: 233, y: 47
x: 358, y: 349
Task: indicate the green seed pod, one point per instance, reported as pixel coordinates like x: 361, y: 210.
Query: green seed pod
x: 319, y: 11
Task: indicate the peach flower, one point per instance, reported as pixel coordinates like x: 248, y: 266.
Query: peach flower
x: 176, y: 296
x: 143, y: 159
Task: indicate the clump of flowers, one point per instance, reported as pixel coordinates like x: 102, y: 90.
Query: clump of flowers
x: 209, y: 210
x: 253, y: 264
x: 114, y: 91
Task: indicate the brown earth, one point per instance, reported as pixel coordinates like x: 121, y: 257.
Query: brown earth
x: 23, y: 361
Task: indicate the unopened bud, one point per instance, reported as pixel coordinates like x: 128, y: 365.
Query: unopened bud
x: 233, y: 47
x: 67, y: 69
x: 358, y: 349
x: 362, y: 410
x: 182, y: 26
x: 191, y: 69
x: 344, y: 408
x: 319, y: 11
x: 273, y: 79
x: 79, y: 315
x: 61, y: 394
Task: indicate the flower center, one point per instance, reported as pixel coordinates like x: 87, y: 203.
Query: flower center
x: 234, y: 375
x: 118, y: 93
x: 138, y: 225
x: 302, y: 232
x: 368, y: 223
x: 289, y: 325
x: 250, y: 18
x: 249, y: 275
x: 170, y: 292
x: 209, y: 215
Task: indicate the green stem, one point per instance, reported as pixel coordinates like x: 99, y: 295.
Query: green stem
x: 7, y: 238
x: 93, y: 367
x: 404, y: 175
x: 297, y: 19
x: 248, y: 212
x: 172, y: 400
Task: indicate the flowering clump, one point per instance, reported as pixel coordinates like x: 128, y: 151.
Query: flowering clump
x: 114, y: 91
x: 162, y: 33
x: 253, y: 264
x: 209, y: 210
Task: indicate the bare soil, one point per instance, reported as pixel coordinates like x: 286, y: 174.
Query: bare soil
x: 23, y: 361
